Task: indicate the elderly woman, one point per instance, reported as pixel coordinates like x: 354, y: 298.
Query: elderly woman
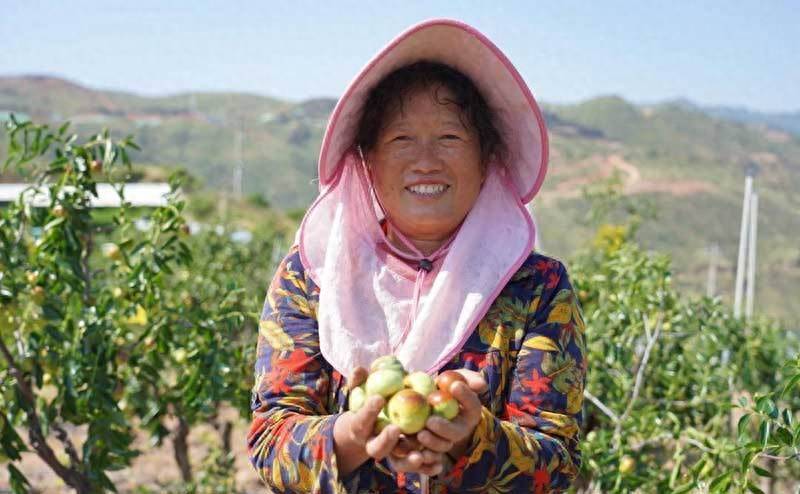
x: 420, y: 246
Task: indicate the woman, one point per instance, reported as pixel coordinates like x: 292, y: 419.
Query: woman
x: 420, y: 246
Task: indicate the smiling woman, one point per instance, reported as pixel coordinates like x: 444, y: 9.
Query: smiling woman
x: 419, y: 246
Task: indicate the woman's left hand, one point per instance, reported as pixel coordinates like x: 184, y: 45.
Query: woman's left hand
x: 442, y: 436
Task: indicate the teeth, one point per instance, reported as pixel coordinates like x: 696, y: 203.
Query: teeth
x: 427, y: 189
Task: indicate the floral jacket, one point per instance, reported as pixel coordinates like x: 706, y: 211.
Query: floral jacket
x: 529, y: 347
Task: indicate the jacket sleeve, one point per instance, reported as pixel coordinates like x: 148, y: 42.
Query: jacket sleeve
x: 290, y: 440
x: 533, y: 446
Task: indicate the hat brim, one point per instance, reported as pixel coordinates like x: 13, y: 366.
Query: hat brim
x: 464, y: 48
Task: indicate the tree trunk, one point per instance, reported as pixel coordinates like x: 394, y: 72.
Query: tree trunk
x: 181, y: 450
x: 36, y: 438
x: 227, y: 430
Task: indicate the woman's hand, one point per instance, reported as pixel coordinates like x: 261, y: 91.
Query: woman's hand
x: 442, y: 436
x: 453, y: 436
x: 424, y: 461
x: 353, y: 439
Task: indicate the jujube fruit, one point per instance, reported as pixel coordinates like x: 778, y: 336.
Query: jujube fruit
x: 385, y: 382
x: 420, y: 382
x: 410, y: 398
x: 443, y: 404
x: 446, y: 379
x: 358, y: 396
x: 627, y: 464
x: 381, y: 421
x: 408, y: 410
x: 386, y: 362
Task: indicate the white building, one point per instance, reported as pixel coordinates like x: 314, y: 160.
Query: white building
x: 137, y: 194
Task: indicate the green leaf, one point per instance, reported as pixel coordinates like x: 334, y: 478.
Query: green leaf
x: 683, y: 489
x: 676, y: 470
x: 54, y: 223
x: 783, y: 436
x: 762, y: 472
x: 10, y: 441
x: 766, y: 406
x: 763, y: 433
x: 753, y: 488
x: 720, y: 483
x: 742, y: 426
x: 790, y: 385
x: 787, y: 417
x: 748, y: 457
x: 19, y: 484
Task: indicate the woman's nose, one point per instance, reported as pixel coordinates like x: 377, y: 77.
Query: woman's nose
x: 427, y: 160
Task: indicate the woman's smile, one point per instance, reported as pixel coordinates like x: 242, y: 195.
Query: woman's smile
x: 428, y: 191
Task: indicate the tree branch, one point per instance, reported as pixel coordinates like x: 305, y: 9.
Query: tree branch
x: 21, y: 232
x: 637, y: 385
x: 86, y: 275
x: 697, y: 444
x: 70, y: 476
x: 69, y: 447
x: 651, y: 441
x: 599, y: 404
x: 780, y: 458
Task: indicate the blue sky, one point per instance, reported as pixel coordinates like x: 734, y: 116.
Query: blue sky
x: 744, y: 53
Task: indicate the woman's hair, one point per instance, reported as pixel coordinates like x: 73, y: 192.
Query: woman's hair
x: 388, y: 96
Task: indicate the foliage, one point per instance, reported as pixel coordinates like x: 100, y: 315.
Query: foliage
x: 767, y: 430
x: 60, y: 324
x: 106, y: 325
x: 665, y: 374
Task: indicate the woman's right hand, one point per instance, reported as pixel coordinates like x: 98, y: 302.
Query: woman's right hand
x: 353, y: 437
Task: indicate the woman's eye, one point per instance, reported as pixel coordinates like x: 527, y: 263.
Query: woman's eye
x: 450, y: 137
x: 402, y: 138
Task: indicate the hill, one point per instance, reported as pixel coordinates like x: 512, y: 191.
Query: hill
x: 785, y: 121
x: 687, y: 162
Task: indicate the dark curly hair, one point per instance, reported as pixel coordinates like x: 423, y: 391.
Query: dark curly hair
x: 388, y: 95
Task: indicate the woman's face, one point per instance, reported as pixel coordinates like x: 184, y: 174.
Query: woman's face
x: 426, y: 166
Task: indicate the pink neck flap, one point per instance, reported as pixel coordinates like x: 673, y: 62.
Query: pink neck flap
x: 376, y: 300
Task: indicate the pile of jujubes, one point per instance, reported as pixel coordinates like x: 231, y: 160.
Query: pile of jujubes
x: 410, y: 398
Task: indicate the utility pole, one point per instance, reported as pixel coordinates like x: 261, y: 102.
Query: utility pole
x: 751, y: 257
x: 744, y: 232
x: 711, y: 282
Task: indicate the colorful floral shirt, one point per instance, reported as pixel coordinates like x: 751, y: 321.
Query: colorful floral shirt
x: 529, y: 347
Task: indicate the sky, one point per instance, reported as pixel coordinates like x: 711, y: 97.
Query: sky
x: 738, y: 53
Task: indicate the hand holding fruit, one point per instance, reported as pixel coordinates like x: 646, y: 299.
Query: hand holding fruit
x: 353, y: 432
x: 453, y: 436
x: 412, y: 400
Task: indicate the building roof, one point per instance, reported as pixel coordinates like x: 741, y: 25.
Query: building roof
x: 137, y: 194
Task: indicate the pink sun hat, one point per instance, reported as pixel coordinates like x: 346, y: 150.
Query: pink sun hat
x: 466, y: 49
